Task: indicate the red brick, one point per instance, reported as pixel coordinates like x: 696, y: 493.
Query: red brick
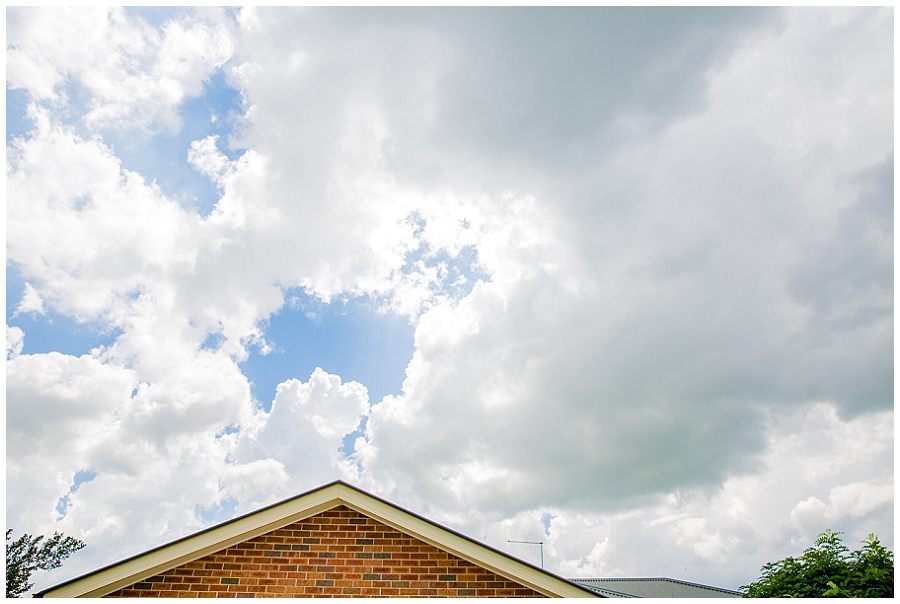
x: 353, y: 546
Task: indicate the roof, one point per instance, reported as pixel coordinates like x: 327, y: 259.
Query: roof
x: 655, y: 587
x: 294, y: 509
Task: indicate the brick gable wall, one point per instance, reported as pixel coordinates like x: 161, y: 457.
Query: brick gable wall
x: 338, y: 553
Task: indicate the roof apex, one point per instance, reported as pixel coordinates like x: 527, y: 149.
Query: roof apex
x: 298, y: 507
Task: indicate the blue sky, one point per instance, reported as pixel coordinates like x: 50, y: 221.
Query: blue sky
x: 346, y: 337
x: 16, y: 124
x: 616, y: 279
x: 51, y: 331
x: 160, y: 156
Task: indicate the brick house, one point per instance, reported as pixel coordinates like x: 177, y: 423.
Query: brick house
x: 334, y: 541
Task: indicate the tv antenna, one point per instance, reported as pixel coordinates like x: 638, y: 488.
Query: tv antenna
x: 540, y: 543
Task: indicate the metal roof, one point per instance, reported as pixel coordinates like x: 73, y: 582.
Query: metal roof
x: 655, y: 587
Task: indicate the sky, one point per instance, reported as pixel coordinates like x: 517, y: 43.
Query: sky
x: 615, y: 279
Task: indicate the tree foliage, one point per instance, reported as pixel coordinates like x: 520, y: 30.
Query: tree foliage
x: 829, y: 569
x: 28, y: 554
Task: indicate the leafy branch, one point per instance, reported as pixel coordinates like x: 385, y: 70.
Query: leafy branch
x: 28, y: 554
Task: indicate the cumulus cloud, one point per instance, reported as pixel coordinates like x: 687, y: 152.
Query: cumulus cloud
x: 654, y: 329
x: 724, y: 536
x: 305, y: 430
x: 30, y: 303
x: 73, y: 219
x: 70, y: 415
x: 133, y: 72
x: 207, y: 159
x: 54, y: 402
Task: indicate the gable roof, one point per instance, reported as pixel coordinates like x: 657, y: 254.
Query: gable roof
x: 273, y: 517
x: 654, y: 587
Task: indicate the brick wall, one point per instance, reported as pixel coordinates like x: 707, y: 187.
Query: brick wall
x: 338, y: 553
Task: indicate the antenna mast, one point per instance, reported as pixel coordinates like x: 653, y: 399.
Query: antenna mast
x: 541, y: 543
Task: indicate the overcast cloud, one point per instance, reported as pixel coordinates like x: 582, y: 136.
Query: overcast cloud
x: 645, y: 257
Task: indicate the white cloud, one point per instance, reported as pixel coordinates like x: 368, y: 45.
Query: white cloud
x: 30, y: 303
x: 15, y: 341
x: 88, y: 414
x: 56, y: 405
x: 256, y: 483
x: 858, y: 499
x: 207, y: 159
x: 304, y: 431
x: 722, y: 536
x: 654, y: 370
x: 808, y: 513
x: 91, y: 219
x: 134, y: 73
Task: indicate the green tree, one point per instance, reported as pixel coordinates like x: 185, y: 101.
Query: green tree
x: 829, y: 569
x: 27, y: 554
